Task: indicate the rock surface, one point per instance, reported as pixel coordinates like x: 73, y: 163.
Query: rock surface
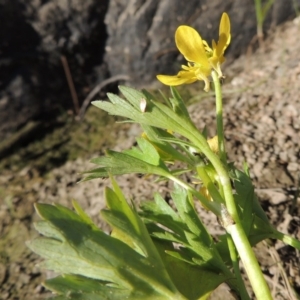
x: 141, y: 33
x: 34, y: 37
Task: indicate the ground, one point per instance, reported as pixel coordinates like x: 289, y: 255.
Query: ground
x: 262, y: 107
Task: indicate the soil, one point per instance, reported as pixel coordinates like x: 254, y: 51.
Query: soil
x: 262, y: 108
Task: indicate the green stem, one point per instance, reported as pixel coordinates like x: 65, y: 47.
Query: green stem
x: 238, y: 235
x: 250, y: 263
x: 235, y: 262
x: 259, y: 17
x: 219, y: 164
x: 219, y: 115
x: 261, y: 11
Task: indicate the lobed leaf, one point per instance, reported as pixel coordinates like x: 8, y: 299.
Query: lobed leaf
x: 184, y: 228
x: 134, y: 161
x: 96, y: 265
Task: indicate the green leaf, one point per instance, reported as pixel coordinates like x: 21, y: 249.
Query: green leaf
x: 200, y: 241
x: 77, y: 248
x: 166, y: 151
x: 146, y: 153
x: 132, y: 95
x: 82, y: 214
x: 178, y: 105
x: 47, y: 229
x: 288, y: 240
x: 192, y: 281
x: 79, y: 287
x: 161, y: 212
x: 174, y: 122
x: 126, y: 222
x: 100, y: 266
x: 246, y: 196
x: 156, y: 114
x: 184, y: 228
x: 150, y: 97
x: 134, y: 161
x: 254, y: 219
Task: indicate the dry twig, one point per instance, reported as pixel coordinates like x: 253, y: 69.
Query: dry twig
x: 96, y: 90
x: 70, y: 83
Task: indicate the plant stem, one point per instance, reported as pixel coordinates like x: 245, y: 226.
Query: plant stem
x: 238, y: 235
x: 236, y: 268
x: 219, y: 164
x: 235, y: 229
x: 259, y: 18
x: 250, y: 263
x: 219, y: 116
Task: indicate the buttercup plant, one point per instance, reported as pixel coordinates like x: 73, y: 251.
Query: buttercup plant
x: 155, y: 251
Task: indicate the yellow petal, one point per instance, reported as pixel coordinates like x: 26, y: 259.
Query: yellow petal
x: 190, y: 45
x: 207, y: 48
x: 202, y: 76
x: 224, y: 34
x: 218, y: 49
x: 225, y: 26
x: 183, y: 77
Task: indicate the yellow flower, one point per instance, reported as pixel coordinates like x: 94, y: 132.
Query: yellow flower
x: 202, y: 59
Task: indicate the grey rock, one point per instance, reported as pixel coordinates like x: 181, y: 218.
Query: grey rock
x: 34, y: 35
x: 141, y: 32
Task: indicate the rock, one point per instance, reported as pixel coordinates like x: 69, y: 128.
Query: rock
x: 141, y: 33
x: 34, y: 36
x: 275, y: 197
